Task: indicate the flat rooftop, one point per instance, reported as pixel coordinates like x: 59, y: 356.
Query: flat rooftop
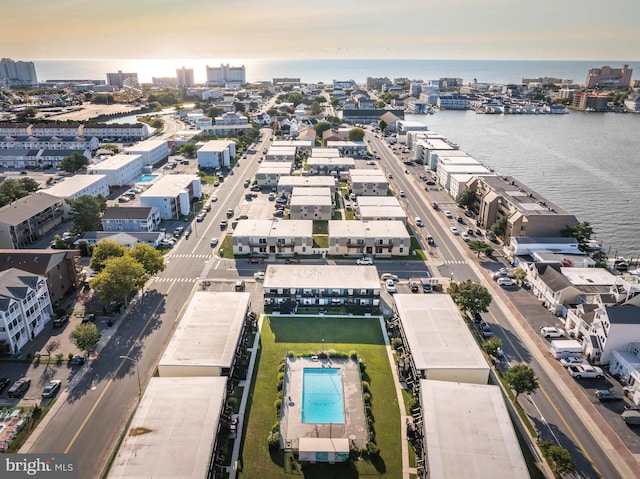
x: 468, y: 432
x: 148, y: 145
x: 215, y: 146
x: 71, y: 185
x: 114, y: 162
x: 437, y: 334
x: 329, y: 181
x: 368, y: 229
x: 589, y: 276
x: 378, y: 201
x: 169, y: 185
x: 321, y: 276
x: 209, y: 330
x: 173, y: 431
x: 276, y: 228
x: 325, y: 152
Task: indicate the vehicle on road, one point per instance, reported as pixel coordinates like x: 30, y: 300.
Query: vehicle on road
x: 77, y: 360
x: 19, y: 388
x: 387, y: 276
x: 608, y: 395
x: 465, y: 237
x: 551, y: 332
x: 258, y: 275
x: 430, y: 240
x: 418, y: 221
x: 454, y: 230
x: 4, y: 382
x: 224, y: 224
x: 390, y: 286
x: 292, y: 261
x: 364, y: 261
x: 214, y: 242
x: 448, y: 214
x: 51, y: 389
x: 504, y: 282
x: 571, y: 361
x: 586, y: 371
x: 255, y: 261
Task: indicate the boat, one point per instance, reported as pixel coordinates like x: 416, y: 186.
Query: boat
x: 593, y: 245
x: 621, y: 264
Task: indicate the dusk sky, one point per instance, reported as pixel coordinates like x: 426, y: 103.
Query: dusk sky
x: 287, y: 29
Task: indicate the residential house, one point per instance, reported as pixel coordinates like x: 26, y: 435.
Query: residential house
x: 273, y: 237
x: 130, y: 218
x: 28, y: 219
x: 613, y: 327
x: 368, y: 238
x: 356, y: 288
x: 625, y: 364
x: 25, y: 307
x: 126, y: 239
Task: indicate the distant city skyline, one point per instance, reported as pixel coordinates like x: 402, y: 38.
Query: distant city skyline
x: 251, y: 29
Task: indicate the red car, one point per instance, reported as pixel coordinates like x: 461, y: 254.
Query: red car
x: 256, y: 260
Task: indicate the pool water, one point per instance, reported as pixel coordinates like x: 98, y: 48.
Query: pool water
x: 146, y: 178
x: 322, y: 396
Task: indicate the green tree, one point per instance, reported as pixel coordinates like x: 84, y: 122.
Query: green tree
x: 522, y: 379
x: 29, y: 113
x: 558, y: 458
x: 316, y: 109
x: 382, y: 125
x: 480, y: 247
x: 519, y: 274
x: 491, y: 346
x: 214, y: 111
x: 356, y: 134
x: 466, y: 198
x: 119, y: 278
x: 12, y: 189
x: 470, y: 297
x: 115, y: 149
x: 104, y: 251
x: 149, y: 257
x: 85, y: 212
x: 74, y: 162
x: 189, y: 149
x: 239, y: 106
x: 580, y: 231
x: 321, y: 127
x: 85, y: 336
x: 499, y: 228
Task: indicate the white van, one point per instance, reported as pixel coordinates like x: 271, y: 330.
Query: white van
x: 418, y: 221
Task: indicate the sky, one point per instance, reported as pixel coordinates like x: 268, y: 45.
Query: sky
x: 346, y: 29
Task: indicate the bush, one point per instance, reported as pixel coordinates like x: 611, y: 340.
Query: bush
x: 396, y: 343
x: 363, y: 367
x: 367, y: 398
x: 278, y: 405
x: 365, y: 387
x: 281, y: 367
x: 353, y: 355
x: 70, y: 356
x: 414, y: 403
x: 280, y: 376
x: 273, y: 440
x: 280, y: 384
x: 372, y: 449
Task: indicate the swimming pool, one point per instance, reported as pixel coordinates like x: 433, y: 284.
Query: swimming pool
x: 322, y: 396
x: 146, y: 178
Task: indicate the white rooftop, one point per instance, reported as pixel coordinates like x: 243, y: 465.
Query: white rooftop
x: 277, y: 167
x: 469, y: 168
x: 208, y: 333
x: 148, y: 145
x: 437, y: 334
x: 321, y: 276
x: 589, y: 276
x: 169, y: 186
x: 310, y: 200
x: 215, y: 146
x: 437, y: 144
x: 282, y: 150
x: 367, y: 229
x: 329, y: 181
x: 114, y: 162
x: 278, y: 228
x: 73, y: 184
x: 331, y: 160
x: 377, y: 201
x: 311, y: 191
x: 325, y: 152
x: 173, y: 430
x: 468, y: 432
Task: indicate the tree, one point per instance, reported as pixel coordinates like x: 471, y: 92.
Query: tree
x: 519, y: 275
x: 558, y: 458
x: 522, y: 379
x: 118, y: 279
x: 214, y: 111
x: 85, y: 336
x: 321, y: 127
x: 470, y: 297
x: 316, y: 109
x: 466, y: 198
x: 104, y: 251
x: 499, y: 228
x: 74, y: 162
x: 480, y: 247
x: 382, y: 125
x: 85, y: 212
x: 29, y: 113
x: 149, y: 257
x: 356, y: 134
x: 189, y: 149
x: 239, y: 106
x: 491, y: 346
x: 11, y: 190
x: 51, y: 347
x: 581, y: 231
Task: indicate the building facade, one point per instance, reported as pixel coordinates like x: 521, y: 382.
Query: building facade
x: 225, y: 74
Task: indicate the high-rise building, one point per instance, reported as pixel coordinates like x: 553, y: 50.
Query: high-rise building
x: 609, y: 77
x: 185, y: 77
x: 122, y: 79
x: 18, y: 73
x: 225, y: 74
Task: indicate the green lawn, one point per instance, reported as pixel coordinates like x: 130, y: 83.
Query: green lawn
x: 301, y: 335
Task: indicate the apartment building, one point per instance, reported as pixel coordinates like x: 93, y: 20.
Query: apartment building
x: 349, y: 148
x: 75, y: 186
x: 130, y: 218
x: 311, y: 204
x: 273, y: 237
x: 281, y: 153
x: 51, y: 142
x: 184, y: 77
x: 368, y: 238
x: 317, y: 165
x: 368, y: 182
x: 216, y: 154
x: 226, y: 75
x: 590, y: 100
x: 152, y: 152
x: 609, y: 77
x: 287, y: 183
x: 172, y: 195
x: 380, y: 208
x: 29, y: 219
x: 25, y: 307
x: 119, y: 170
x: 269, y: 173
x: 528, y: 213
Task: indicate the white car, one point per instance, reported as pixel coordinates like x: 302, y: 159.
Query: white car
x: 551, y: 331
x: 390, y: 286
x: 506, y: 282
x: 214, y: 242
x: 580, y: 371
x: 454, y: 230
x: 364, y: 261
x: 465, y: 237
x: 565, y: 362
x: 214, y: 198
x: 387, y: 276
x: 402, y: 194
x: 448, y: 214
x: 371, y: 162
x: 259, y: 275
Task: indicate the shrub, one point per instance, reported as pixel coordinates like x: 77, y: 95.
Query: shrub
x: 365, y: 387
x: 363, y: 367
x: 273, y: 440
x: 280, y: 384
x: 353, y: 355
x: 372, y: 449
x: 414, y: 403
x: 396, y: 343
x: 70, y: 356
x: 281, y: 367
x: 280, y: 376
x: 278, y: 405
x: 367, y: 398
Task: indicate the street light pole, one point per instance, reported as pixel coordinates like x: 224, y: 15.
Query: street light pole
x: 137, y: 372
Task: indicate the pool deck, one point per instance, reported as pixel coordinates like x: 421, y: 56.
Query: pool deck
x: 291, y: 426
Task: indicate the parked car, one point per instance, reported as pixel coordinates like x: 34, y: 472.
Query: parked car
x: 292, y: 261
x: 503, y: 273
x: 608, y: 395
x: 178, y: 231
x: 390, y: 286
x: 19, y: 388
x: 214, y: 242
x: 51, y: 389
x: 224, y: 224
x: 89, y: 318
x: 364, y: 261
x: 200, y: 218
x: 580, y: 371
x: 465, y: 237
x: 255, y: 260
x: 77, y: 360
x: 454, y: 230
x: 448, y: 214
x: 61, y: 321
x: 551, y: 332
x: 386, y: 276
x: 504, y: 282
x: 565, y: 362
x: 258, y: 275
x: 485, y: 330
x: 477, y: 317
x: 214, y: 198
x: 414, y: 286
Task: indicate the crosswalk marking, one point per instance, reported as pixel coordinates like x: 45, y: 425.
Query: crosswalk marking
x: 176, y: 280
x: 188, y: 256
x: 455, y: 261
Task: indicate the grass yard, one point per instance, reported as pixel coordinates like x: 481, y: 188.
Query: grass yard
x: 301, y: 335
